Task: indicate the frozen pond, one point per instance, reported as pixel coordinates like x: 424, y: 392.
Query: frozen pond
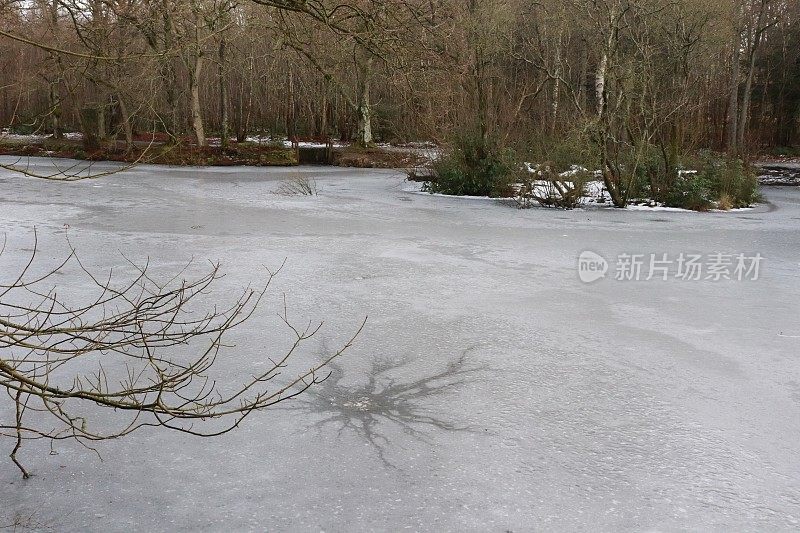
x: 492, y: 390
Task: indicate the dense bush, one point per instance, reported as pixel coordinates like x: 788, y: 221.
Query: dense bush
x: 475, y: 167
x: 650, y: 179
x: 690, y: 191
x: 699, y: 182
x: 733, y: 179
x: 719, y: 182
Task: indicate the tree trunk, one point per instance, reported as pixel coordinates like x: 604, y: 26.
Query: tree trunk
x: 732, y: 119
x: 291, y: 132
x: 55, y: 84
x: 603, y: 135
x: 364, y: 121
x: 323, y: 118
x: 748, y: 85
x: 127, y: 127
x: 90, y: 121
x: 364, y: 137
x: 243, y: 116
x: 482, y: 98
x: 782, y: 132
x: 197, y: 115
x: 611, y: 178
x: 556, y: 87
x: 55, y: 109
x: 600, y: 86
x: 584, y: 75
x: 223, y: 96
x: 344, y: 125
x: 169, y: 75
x: 193, y: 59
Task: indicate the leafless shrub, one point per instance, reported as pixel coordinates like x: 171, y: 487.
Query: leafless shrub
x: 139, y: 353
x: 550, y: 189
x: 299, y: 186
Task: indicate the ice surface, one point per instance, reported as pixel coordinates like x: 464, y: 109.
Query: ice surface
x: 490, y: 391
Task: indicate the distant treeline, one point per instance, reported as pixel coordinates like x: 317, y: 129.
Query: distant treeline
x: 671, y: 74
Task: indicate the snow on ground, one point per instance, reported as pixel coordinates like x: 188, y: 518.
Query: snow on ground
x: 596, y: 197
x: 490, y: 391
x: 779, y: 173
x: 5, y: 135
x: 424, y: 149
x: 596, y: 194
x: 14, y: 137
x: 266, y: 139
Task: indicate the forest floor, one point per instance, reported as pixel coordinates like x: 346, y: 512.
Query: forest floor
x: 265, y: 151
x: 491, y: 390
x: 255, y: 151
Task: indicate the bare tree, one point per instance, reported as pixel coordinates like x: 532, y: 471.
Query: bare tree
x: 135, y: 354
x: 529, y: 72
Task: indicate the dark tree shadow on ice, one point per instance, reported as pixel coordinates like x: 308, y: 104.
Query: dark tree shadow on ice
x: 368, y: 410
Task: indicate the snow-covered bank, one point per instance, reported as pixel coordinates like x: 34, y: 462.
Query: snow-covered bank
x: 596, y: 198
x: 782, y: 174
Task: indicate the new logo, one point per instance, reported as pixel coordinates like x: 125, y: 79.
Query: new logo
x: 591, y: 267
